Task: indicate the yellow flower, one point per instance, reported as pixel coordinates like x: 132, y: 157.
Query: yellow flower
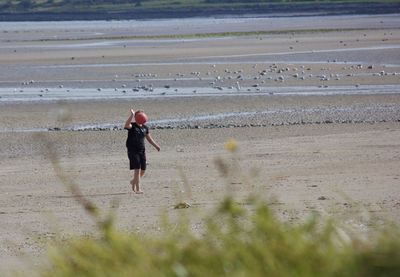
x: 231, y: 145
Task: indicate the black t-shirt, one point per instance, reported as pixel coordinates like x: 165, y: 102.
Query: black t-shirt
x: 136, y: 137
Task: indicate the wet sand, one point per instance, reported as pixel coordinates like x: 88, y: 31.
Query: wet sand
x: 333, y: 137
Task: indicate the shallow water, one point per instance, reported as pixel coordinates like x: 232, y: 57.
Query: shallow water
x: 12, y: 95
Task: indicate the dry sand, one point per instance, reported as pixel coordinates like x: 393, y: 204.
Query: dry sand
x: 292, y: 157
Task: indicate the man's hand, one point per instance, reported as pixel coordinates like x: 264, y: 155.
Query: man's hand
x: 132, y: 111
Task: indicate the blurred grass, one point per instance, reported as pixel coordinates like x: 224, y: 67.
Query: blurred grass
x: 237, y: 240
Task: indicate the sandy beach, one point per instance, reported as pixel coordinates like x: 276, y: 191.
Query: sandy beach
x: 316, y: 116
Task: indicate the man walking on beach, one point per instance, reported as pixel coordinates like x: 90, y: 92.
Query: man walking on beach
x: 135, y: 144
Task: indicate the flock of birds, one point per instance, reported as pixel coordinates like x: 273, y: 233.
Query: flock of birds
x: 230, y: 79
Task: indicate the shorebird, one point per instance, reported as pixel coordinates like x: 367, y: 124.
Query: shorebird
x: 237, y: 86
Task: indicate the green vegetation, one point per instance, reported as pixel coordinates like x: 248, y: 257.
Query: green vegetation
x: 238, y: 239
x: 237, y: 242
x: 143, y: 5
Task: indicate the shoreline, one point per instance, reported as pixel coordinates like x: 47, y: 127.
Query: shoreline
x: 223, y: 111
x: 216, y: 121
x: 51, y: 95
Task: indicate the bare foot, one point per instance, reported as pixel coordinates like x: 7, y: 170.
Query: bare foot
x: 139, y: 192
x: 133, y: 186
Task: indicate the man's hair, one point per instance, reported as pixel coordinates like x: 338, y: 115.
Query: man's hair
x: 139, y: 111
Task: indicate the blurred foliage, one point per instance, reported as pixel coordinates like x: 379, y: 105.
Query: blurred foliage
x: 238, y: 241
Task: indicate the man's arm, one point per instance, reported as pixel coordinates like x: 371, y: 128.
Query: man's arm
x: 128, y: 123
x: 152, y: 142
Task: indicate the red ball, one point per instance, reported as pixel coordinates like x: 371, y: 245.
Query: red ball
x: 141, y: 118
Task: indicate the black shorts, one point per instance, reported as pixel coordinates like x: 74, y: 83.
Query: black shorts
x: 137, y: 160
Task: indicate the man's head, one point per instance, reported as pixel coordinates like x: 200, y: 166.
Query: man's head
x: 140, y: 117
